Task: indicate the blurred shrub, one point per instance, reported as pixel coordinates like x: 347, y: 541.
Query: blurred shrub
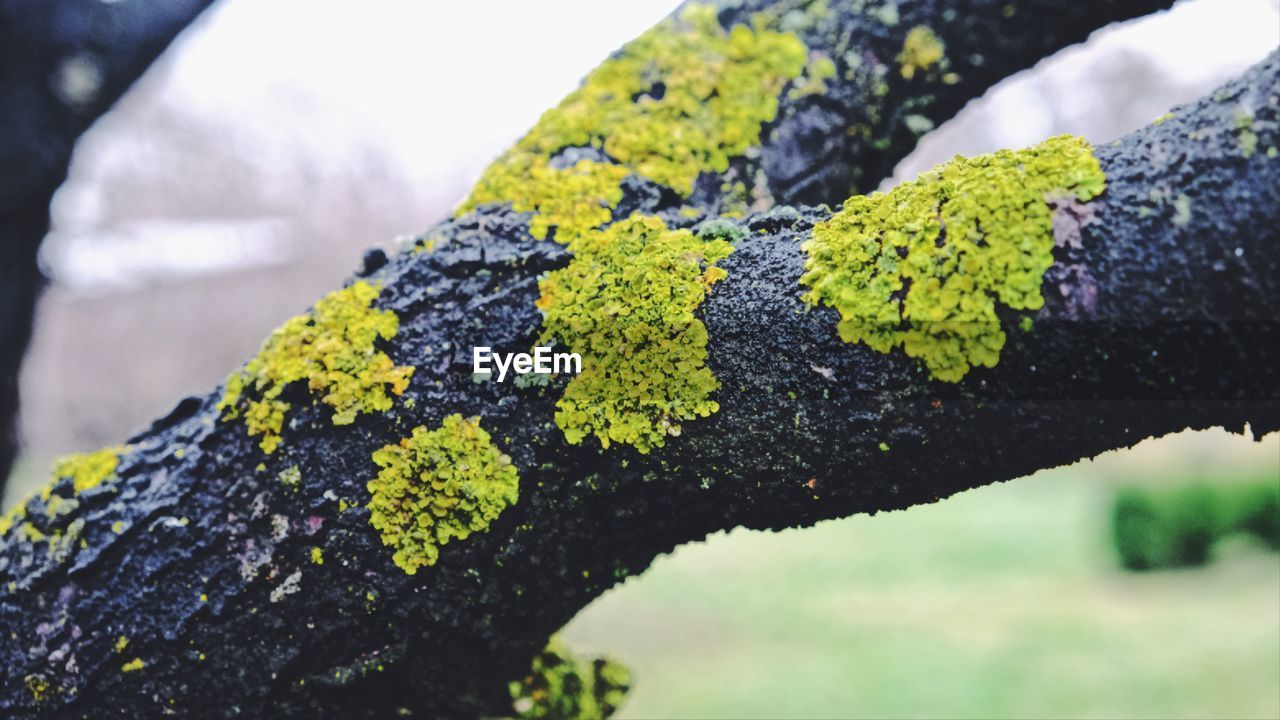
x: 1162, y: 527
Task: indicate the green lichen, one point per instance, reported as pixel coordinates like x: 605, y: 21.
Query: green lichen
x: 917, y: 124
x: 13, y: 516
x: 1182, y: 209
x: 921, y: 51
x: 87, y: 470
x: 333, y: 348
x: 562, y: 685
x: 682, y: 99
x: 1246, y: 138
x: 923, y: 266
x: 38, y: 686
x: 887, y: 14
x: 291, y: 476
x: 572, y: 200
x: 626, y: 305
x: 436, y: 486
x: 721, y: 229
x: 820, y: 69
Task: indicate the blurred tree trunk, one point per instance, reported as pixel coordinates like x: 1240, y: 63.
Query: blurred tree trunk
x: 202, y: 569
x: 62, y: 64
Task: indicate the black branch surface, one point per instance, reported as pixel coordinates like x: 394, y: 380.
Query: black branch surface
x: 189, y: 581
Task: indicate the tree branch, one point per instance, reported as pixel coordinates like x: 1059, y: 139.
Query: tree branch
x: 194, y: 570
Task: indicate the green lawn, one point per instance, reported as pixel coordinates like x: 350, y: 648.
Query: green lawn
x: 1002, y: 602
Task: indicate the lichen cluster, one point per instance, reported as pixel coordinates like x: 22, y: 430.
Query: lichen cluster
x: 436, y: 486
x: 922, y: 266
x: 818, y: 71
x: 922, y: 49
x: 1246, y: 138
x: 562, y: 685
x: 334, y: 348
x: 38, y: 686
x: 682, y: 99
x: 626, y: 304
x: 85, y: 471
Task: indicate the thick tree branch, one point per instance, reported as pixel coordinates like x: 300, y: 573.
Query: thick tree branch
x: 203, y: 575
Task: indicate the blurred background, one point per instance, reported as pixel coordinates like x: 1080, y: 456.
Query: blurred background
x: 248, y: 171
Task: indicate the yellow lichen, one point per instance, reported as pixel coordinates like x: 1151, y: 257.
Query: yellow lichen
x: 333, y: 348
x: 626, y: 305
x: 436, y: 486
x: 12, y: 516
x: 291, y: 476
x: 38, y: 686
x: 820, y: 69
x: 1246, y: 138
x: 573, y: 200
x: 923, y: 266
x: 122, y: 642
x: 317, y: 556
x: 87, y: 470
x: 682, y: 99
x: 133, y: 665
x: 921, y: 50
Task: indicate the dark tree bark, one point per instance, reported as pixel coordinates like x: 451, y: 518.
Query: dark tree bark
x: 189, y: 581
x: 62, y: 64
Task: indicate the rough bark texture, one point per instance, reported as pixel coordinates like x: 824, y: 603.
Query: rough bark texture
x: 188, y: 581
x: 62, y: 64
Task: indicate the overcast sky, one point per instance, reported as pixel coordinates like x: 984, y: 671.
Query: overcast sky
x: 431, y: 91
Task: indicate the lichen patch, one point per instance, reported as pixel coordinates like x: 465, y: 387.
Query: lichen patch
x: 88, y: 470
x: 682, y: 99
x: 923, y: 266
x: 922, y: 51
x: 436, y: 486
x: 685, y: 98
x: 334, y: 348
x: 626, y: 303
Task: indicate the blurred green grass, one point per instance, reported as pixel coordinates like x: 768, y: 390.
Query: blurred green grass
x: 1007, y: 601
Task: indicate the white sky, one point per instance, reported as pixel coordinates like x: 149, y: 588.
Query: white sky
x: 434, y: 90
x: 438, y: 87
